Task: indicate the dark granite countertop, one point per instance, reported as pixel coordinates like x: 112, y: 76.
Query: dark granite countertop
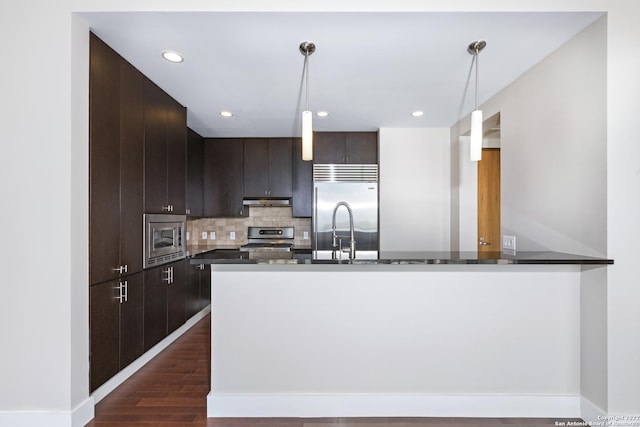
x: 306, y: 256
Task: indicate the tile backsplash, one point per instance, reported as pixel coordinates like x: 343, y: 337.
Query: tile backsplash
x: 258, y: 216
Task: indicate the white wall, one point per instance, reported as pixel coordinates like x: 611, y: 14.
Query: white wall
x: 414, y: 189
x: 553, y: 150
x: 35, y: 174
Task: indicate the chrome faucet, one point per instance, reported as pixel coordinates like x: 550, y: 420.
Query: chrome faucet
x: 352, y: 241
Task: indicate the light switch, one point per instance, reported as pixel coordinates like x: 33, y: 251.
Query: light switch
x: 212, y: 235
x: 232, y: 235
x: 509, y: 242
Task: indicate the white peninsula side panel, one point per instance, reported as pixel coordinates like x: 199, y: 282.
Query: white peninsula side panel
x: 376, y: 340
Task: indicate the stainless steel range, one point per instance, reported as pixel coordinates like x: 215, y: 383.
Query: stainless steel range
x: 269, y: 242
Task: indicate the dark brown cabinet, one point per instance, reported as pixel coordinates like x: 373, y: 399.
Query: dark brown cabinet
x: 116, y: 326
x: 223, y: 178
x: 176, y: 297
x: 195, y: 174
x: 345, y: 147
x: 267, y: 167
x: 165, y: 145
x: 116, y: 135
x: 302, y: 199
x: 198, y: 290
x: 164, y: 301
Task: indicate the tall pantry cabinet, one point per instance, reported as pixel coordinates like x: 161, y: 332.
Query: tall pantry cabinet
x: 137, y: 165
x: 115, y: 212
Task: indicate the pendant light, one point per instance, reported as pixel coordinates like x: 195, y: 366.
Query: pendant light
x: 307, y: 48
x: 475, y: 150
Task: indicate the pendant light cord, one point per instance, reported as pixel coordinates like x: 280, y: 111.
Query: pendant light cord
x: 306, y: 69
x: 475, y: 58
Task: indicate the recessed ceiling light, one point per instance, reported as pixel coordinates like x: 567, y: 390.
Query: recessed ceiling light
x: 172, y: 56
x: 417, y: 113
x: 322, y: 113
x: 226, y: 113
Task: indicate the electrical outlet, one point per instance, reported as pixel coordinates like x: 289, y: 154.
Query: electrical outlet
x: 204, y: 235
x: 232, y: 235
x: 305, y: 235
x: 212, y: 235
x: 509, y: 242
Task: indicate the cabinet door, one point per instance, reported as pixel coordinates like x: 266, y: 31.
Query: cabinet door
x: 223, y: 178
x: 132, y: 320
x: 256, y: 167
x: 131, y: 166
x: 328, y: 147
x: 176, y: 155
x: 155, y: 148
x: 104, y: 162
x: 361, y: 147
x: 280, y: 167
x: 155, y: 305
x: 302, y: 182
x: 104, y: 309
x: 195, y: 174
x: 192, y: 291
x: 176, y: 293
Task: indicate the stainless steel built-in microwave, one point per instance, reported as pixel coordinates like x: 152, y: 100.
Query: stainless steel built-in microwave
x: 164, y: 239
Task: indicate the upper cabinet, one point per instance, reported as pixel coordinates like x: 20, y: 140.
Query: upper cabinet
x: 116, y: 136
x: 195, y: 174
x: 302, y: 182
x: 165, y: 139
x: 345, y: 147
x: 224, y: 178
x: 267, y: 167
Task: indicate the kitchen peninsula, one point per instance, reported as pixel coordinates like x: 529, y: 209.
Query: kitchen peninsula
x: 406, y: 334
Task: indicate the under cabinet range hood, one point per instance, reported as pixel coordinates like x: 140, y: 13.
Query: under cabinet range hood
x: 266, y: 202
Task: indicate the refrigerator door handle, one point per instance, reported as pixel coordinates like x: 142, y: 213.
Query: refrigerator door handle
x: 315, y: 219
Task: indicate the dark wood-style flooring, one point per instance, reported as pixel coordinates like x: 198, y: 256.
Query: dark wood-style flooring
x: 171, y: 391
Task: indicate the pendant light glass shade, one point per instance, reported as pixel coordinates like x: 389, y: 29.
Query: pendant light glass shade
x: 307, y: 135
x: 475, y: 149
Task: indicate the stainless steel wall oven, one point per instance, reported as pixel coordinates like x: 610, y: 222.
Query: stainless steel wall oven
x: 164, y: 239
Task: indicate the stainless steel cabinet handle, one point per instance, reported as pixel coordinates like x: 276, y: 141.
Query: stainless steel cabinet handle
x: 171, y: 268
x: 123, y: 292
x: 168, y: 273
x: 121, y: 269
x: 167, y: 208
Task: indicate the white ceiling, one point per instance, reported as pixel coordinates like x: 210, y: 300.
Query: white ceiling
x: 370, y: 70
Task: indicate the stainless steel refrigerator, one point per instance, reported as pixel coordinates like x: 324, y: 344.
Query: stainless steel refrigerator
x: 357, y: 185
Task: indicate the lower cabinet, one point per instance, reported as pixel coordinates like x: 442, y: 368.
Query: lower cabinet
x: 198, y: 292
x: 164, y: 301
x: 130, y: 315
x: 116, y: 326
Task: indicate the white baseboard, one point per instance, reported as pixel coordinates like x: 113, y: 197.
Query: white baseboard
x: 591, y: 413
x: 79, y: 417
x: 123, y: 375
x: 366, y: 405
